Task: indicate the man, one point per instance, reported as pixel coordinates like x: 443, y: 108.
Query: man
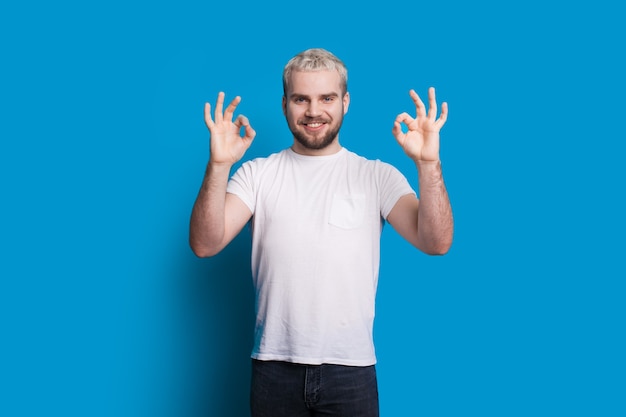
x: 317, y: 214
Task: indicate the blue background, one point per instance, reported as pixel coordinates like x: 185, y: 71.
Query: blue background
x: 104, y: 310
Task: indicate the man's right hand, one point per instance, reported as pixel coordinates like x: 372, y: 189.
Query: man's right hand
x: 228, y: 144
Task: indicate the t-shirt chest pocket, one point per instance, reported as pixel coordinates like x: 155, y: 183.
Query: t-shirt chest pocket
x: 347, y: 211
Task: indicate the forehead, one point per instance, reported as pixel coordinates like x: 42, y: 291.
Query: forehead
x: 312, y: 83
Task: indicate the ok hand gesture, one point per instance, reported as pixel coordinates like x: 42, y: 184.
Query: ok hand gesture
x: 421, y: 141
x: 228, y: 144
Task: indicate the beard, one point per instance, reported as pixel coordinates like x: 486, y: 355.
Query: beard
x: 315, y: 142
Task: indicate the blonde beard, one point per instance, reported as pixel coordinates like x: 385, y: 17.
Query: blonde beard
x: 316, y: 143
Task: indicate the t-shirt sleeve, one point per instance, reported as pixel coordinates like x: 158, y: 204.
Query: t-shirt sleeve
x: 242, y: 184
x: 392, y: 185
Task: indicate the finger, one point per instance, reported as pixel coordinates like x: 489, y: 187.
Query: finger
x: 230, y: 110
x: 219, y: 105
x: 250, y: 133
x: 397, y: 129
x: 404, y: 118
x: 432, y: 104
x: 444, y: 114
x: 241, y: 120
x: 419, y: 104
x: 207, y: 115
x: 397, y: 125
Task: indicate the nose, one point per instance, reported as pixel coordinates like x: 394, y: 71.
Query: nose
x: 313, y: 110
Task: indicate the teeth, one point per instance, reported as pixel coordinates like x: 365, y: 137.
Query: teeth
x: 314, y: 124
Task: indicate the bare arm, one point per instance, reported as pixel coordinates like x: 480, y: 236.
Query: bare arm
x: 217, y: 216
x: 426, y: 223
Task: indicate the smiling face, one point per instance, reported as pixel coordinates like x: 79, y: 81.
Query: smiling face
x: 314, y: 108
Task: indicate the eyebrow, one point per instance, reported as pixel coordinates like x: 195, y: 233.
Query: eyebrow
x: 298, y: 95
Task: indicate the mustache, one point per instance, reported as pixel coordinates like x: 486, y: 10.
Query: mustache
x: 309, y: 121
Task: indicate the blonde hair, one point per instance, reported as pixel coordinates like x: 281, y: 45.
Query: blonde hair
x: 315, y: 59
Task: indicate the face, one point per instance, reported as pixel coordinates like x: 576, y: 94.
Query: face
x: 314, y: 109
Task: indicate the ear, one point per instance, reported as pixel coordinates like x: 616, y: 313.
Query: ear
x: 285, y: 105
x: 346, y: 102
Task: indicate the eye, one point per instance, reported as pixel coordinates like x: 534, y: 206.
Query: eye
x: 329, y: 99
x: 299, y: 100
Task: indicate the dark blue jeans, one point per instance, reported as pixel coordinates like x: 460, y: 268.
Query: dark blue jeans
x: 282, y: 389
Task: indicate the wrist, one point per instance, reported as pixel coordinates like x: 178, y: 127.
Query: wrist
x: 216, y: 167
x: 429, y: 170
x: 421, y: 163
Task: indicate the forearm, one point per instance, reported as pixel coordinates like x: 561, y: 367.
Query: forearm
x: 434, y: 222
x: 207, y: 225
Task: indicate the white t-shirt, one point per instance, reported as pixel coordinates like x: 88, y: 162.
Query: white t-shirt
x: 316, y: 229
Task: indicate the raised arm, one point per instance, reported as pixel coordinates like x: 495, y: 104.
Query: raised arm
x: 425, y: 222
x: 217, y: 217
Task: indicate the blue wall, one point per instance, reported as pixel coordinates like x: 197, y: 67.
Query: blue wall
x: 104, y: 310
